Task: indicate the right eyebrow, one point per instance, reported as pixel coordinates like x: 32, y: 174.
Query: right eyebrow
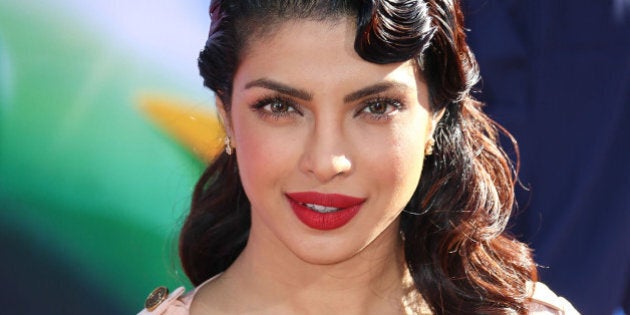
x: 281, y: 88
x: 373, y: 89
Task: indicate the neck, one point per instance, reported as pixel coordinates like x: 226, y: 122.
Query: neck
x: 370, y: 282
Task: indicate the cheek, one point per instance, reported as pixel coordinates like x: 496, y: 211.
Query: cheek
x: 265, y: 156
x: 407, y: 156
x: 396, y: 161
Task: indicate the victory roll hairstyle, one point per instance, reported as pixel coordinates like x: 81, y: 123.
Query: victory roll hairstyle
x: 459, y: 256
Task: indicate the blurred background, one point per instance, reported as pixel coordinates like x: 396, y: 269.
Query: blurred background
x: 105, y: 127
x: 557, y: 75
x: 93, y: 187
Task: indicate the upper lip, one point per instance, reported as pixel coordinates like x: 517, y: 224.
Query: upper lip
x: 326, y: 200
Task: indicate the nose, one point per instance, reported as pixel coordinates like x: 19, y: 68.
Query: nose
x: 325, y: 155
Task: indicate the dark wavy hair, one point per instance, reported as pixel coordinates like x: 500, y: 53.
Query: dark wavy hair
x: 456, y: 248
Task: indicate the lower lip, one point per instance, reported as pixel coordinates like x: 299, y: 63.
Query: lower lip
x: 324, y: 221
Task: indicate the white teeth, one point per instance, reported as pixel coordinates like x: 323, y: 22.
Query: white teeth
x: 320, y: 208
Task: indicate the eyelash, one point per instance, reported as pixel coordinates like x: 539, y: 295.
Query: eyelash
x: 293, y: 108
x: 398, y: 105
x: 260, y: 105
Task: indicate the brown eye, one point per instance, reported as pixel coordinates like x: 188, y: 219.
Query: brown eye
x: 377, y: 107
x: 381, y: 107
x: 278, y: 106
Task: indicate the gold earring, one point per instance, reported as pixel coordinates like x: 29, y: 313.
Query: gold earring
x: 228, y: 145
x: 428, y: 148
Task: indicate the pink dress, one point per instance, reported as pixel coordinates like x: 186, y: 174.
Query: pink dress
x: 544, y: 301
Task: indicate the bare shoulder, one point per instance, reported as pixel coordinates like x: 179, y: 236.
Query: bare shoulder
x: 545, y: 301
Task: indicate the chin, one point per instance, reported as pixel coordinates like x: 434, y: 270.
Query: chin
x: 325, y: 254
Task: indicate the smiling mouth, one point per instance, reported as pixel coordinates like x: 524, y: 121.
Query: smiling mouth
x: 320, y: 208
x: 324, y: 211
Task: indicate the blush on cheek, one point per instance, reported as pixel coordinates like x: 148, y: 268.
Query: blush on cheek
x: 264, y: 159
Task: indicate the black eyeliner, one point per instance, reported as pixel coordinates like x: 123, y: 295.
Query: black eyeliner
x: 264, y: 101
x: 396, y: 103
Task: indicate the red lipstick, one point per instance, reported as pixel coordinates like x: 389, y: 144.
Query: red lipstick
x: 324, y: 211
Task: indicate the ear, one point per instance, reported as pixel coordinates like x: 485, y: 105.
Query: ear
x: 225, y: 119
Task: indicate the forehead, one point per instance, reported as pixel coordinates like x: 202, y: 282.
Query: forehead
x: 295, y: 32
x: 315, y: 53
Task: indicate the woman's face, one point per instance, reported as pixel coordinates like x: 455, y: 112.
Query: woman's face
x: 329, y: 146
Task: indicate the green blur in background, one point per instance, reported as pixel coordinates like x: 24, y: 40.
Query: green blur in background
x: 88, y: 183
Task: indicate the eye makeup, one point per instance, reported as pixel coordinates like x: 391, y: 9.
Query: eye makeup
x: 276, y: 107
x: 375, y: 108
x: 380, y: 108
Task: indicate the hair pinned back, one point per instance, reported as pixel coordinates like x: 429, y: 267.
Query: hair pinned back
x: 455, y: 247
x: 393, y: 31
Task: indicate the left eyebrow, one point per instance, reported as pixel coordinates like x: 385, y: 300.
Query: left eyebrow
x: 373, y: 89
x: 281, y: 88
